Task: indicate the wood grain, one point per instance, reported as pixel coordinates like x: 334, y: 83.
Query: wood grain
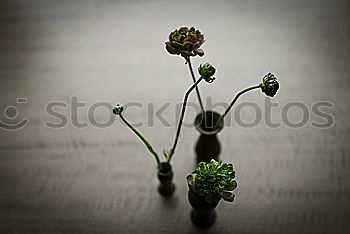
x: 102, y: 180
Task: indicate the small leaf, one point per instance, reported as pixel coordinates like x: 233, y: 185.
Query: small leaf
x: 187, y: 45
x: 227, y: 196
x: 231, y: 186
x: 191, y: 179
x: 212, y: 199
x: 176, y: 45
x: 200, y: 52
x: 171, y: 49
x: 199, y: 190
x: 166, y: 153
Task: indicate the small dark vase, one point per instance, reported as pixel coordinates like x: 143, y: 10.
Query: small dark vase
x: 208, y: 146
x: 166, y: 186
x: 203, y: 213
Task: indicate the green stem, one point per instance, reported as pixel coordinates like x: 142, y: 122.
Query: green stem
x: 194, y: 81
x: 149, y: 147
x: 172, y: 151
x: 217, y: 124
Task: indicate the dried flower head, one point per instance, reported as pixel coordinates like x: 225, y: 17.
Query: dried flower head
x: 118, y: 109
x: 185, y: 42
x: 269, y: 85
x: 207, y: 71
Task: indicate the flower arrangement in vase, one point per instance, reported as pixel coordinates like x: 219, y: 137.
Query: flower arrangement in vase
x: 165, y: 173
x: 208, y: 184
x: 186, y: 42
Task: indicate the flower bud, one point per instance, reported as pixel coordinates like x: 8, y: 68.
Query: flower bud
x: 269, y: 85
x: 207, y: 71
x: 118, y: 109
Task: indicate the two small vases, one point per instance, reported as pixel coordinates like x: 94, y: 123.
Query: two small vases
x: 207, y: 146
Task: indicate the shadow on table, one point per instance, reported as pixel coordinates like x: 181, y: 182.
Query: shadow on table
x: 170, y: 203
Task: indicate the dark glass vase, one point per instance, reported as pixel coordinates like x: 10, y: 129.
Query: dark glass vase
x: 166, y: 186
x: 203, y: 213
x: 208, y: 146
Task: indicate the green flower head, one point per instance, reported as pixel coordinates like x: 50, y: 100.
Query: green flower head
x: 118, y: 109
x: 214, y: 180
x: 269, y: 85
x: 207, y: 71
x: 185, y: 42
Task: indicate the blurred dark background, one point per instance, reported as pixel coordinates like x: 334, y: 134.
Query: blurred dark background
x: 102, y: 180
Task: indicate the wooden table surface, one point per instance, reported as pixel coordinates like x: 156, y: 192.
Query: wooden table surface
x: 102, y: 179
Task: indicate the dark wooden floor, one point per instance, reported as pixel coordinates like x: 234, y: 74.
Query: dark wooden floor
x: 102, y: 180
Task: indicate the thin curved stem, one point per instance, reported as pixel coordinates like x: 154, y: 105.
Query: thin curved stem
x: 194, y: 81
x: 172, y: 151
x: 217, y: 124
x: 149, y: 147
